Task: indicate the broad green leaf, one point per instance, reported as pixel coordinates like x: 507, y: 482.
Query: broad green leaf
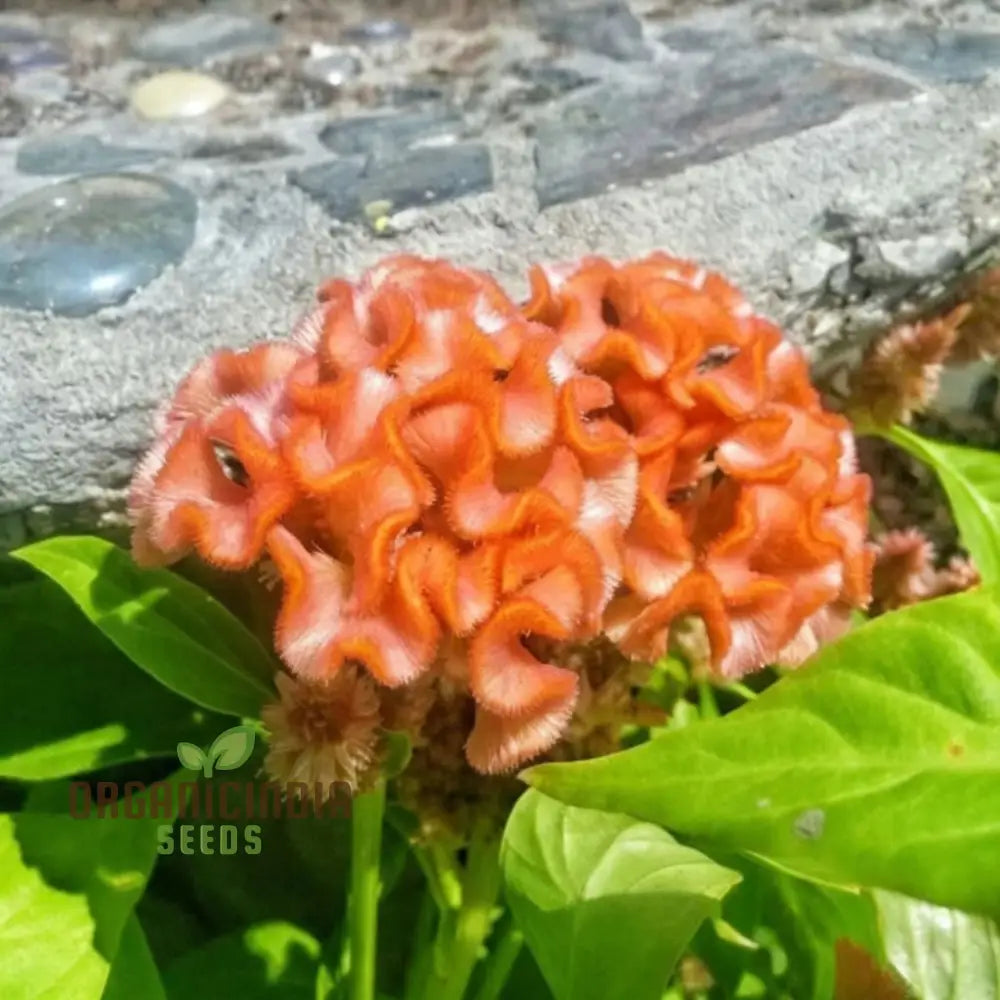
x: 46, y: 950
x: 971, y: 478
x: 72, y: 702
x: 878, y: 764
x: 607, y: 905
x: 942, y: 954
x: 67, y: 890
x: 267, y: 961
x: 232, y: 748
x: 192, y: 757
x: 172, y: 629
x: 134, y: 975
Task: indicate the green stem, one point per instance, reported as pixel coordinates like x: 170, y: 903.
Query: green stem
x: 747, y: 694
x: 498, y: 966
x: 422, y: 953
x: 707, y: 704
x: 472, y: 923
x: 362, y: 909
x: 442, y: 873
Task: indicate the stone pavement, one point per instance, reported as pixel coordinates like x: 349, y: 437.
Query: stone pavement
x: 838, y: 160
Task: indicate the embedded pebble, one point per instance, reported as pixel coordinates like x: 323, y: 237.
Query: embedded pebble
x: 333, y: 70
x: 78, y: 154
x: 384, y: 30
x: 358, y: 187
x: 178, y: 94
x: 255, y: 149
x: 191, y: 41
x: 809, y: 271
x: 925, y: 256
x: 22, y: 50
x: 610, y: 28
x: 80, y: 245
x: 378, y: 133
x: 42, y: 86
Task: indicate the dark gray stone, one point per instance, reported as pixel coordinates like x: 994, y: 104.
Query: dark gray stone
x: 22, y: 50
x: 13, y: 116
x: 373, y: 32
x: 78, y: 154
x: 619, y: 135
x: 253, y: 150
x: 414, y: 93
x: 549, y: 80
x: 939, y: 55
x: 685, y: 39
x: 190, y: 41
x: 379, y: 133
x: 410, y: 179
x: 610, y: 29
x: 80, y: 245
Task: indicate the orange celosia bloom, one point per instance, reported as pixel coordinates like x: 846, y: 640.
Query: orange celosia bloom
x: 432, y: 468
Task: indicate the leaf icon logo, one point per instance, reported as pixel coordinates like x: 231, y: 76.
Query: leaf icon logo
x: 228, y: 751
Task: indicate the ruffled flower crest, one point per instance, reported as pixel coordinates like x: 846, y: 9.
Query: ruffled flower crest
x: 452, y: 487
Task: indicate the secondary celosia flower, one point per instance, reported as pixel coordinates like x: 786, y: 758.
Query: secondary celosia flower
x: 322, y: 734
x: 904, y: 566
x: 453, y: 487
x: 979, y: 333
x: 905, y: 573
x: 900, y: 372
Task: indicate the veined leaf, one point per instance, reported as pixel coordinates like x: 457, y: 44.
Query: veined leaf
x: 172, y: 629
x: 67, y: 890
x: 971, y: 478
x: 878, y: 764
x: 72, y: 702
x: 607, y: 905
x: 942, y: 954
x: 134, y: 975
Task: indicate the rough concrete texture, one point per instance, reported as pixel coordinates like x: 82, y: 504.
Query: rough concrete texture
x: 832, y: 229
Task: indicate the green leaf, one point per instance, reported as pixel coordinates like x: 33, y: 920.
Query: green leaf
x: 878, y: 764
x: 71, y: 701
x: 67, y: 890
x: 134, y: 975
x: 587, y: 889
x: 45, y: 934
x: 941, y: 954
x: 268, y: 961
x: 232, y: 748
x: 807, y: 919
x: 172, y: 629
x: 191, y: 756
x: 971, y: 478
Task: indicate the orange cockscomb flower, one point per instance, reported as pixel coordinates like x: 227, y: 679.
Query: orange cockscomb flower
x: 453, y: 486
